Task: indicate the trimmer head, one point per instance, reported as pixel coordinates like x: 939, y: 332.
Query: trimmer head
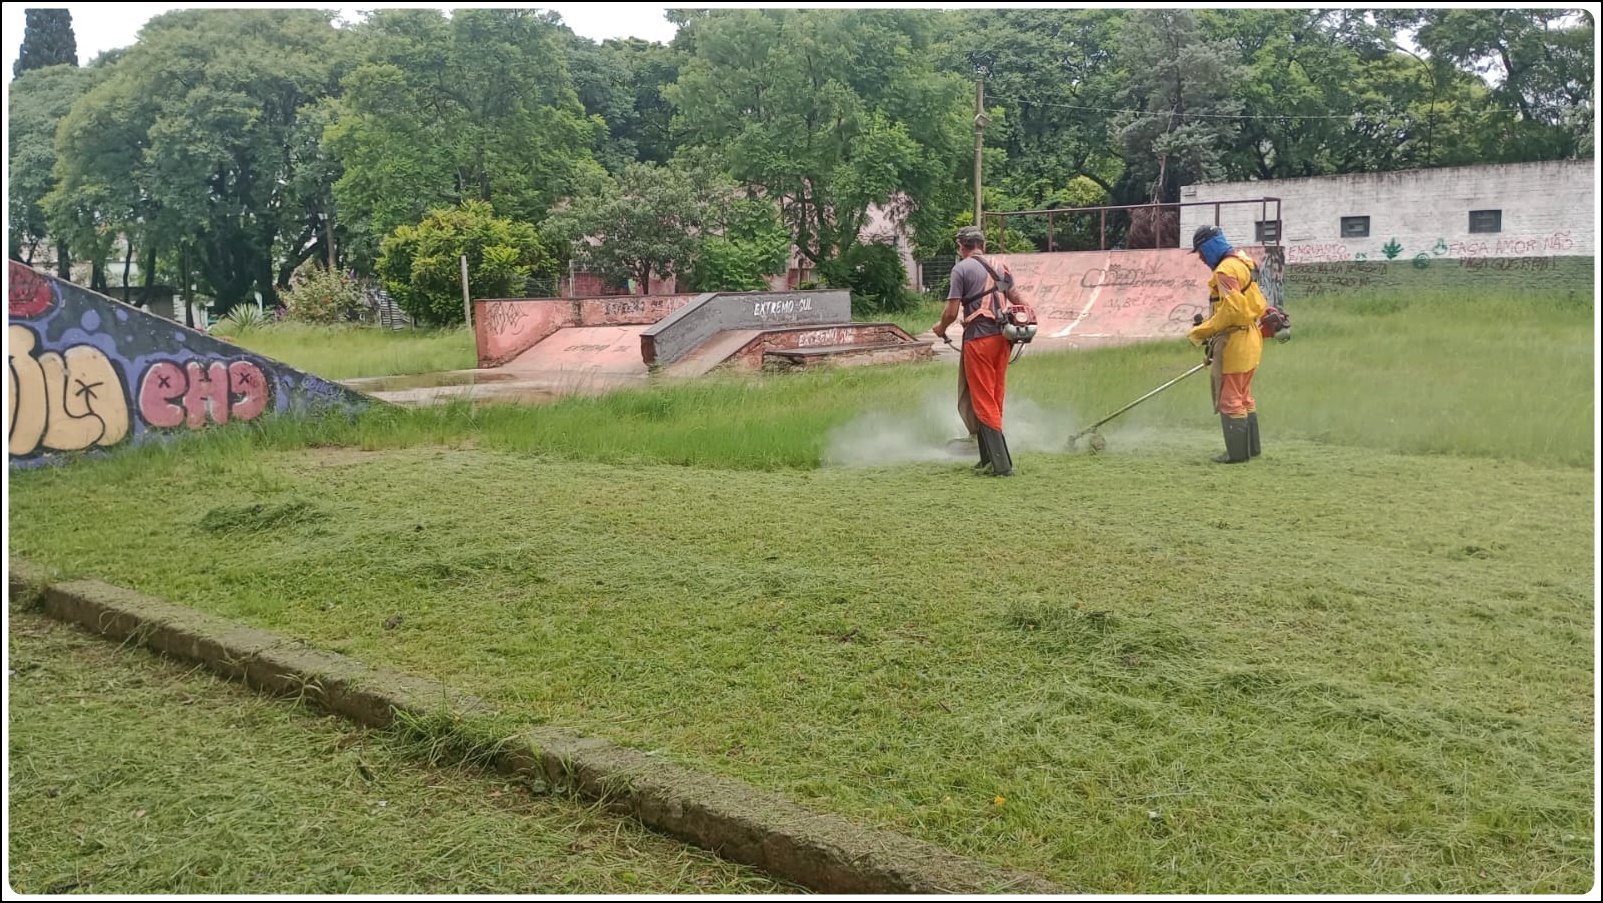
x: 1096, y: 442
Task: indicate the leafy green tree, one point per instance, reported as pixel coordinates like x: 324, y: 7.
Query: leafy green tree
x: 421, y: 265
x: 191, y: 142
x: 647, y: 220
x: 620, y: 84
x: 479, y: 106
x: 1182, y: 99
x: 39, y: 99
x: 1540, y: 62
x: 601, y: 82
x: 745, y: 243
x: 47, y: 40
x: 651, y: 68
x: 1049, y: 82
x: 827, y: 111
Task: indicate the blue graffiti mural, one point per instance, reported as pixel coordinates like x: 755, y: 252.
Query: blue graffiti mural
x: 88, y: 374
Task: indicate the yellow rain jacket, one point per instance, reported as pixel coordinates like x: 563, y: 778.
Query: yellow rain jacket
x: 1235, y: 304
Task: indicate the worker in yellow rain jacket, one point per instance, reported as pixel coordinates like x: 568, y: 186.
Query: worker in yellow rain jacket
x: 1234, y: 343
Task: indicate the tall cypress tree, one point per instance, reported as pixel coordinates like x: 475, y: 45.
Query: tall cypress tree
x: 47, y: 40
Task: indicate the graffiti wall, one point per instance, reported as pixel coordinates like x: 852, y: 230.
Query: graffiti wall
x: 88, y: 374
x: 1509, y: 227
x: 1091, y: 298
x: 1430, y: 271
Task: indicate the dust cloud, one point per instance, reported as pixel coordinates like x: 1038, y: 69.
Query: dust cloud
x: 878, y: 438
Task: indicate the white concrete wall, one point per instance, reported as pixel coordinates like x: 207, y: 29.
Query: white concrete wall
x: 1549, y: 209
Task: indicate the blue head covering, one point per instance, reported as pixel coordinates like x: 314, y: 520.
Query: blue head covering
x: 1214, y: 250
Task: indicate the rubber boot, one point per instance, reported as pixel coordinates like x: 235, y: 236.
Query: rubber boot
x: 985, y: 454
x: 1001, y: 463
x: 1252, y: 435
x: 1238, y: 439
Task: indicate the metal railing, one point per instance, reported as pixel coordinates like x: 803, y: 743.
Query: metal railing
x: 1157, y: 209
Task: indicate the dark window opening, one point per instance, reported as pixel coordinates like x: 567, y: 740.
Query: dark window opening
x: 1355, y: 227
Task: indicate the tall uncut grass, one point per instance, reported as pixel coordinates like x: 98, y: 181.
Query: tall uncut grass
x: 349, y: 352
x: 1442, y: 374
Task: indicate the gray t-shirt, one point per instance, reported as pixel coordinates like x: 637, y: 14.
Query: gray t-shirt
x: 969, y: 279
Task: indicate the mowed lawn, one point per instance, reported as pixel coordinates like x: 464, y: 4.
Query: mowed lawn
x: 1363, y: 663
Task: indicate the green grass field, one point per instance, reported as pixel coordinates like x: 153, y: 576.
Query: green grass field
x: 1363, y: 663
x: 131, y: 774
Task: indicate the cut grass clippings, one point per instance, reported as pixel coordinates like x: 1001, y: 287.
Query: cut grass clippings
x: 1363, y: 663
x: 131, y: 774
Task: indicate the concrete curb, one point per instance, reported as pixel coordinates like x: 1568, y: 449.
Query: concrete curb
x: 823, y: 852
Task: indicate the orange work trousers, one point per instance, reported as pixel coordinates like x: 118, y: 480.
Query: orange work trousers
x: 985, y: 371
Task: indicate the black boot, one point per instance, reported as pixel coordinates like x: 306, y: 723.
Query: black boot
x: 1238, y: 438
x: 985, y: 454
x: 1001, y: 463
x: 1252, y: 434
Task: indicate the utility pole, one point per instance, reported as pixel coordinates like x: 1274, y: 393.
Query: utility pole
x: 980, y: 122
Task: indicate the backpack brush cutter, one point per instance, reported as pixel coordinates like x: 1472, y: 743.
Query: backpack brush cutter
x: 1097, y: 443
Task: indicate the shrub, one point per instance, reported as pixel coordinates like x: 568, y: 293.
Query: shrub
x: 420, y: 269
x: 243, y: 318
x: 320, y: 295
x: 875, y: 276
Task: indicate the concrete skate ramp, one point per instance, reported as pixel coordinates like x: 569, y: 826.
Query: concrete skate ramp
x: 691, y: 326
x: 505, y: 328
x: 581, y: 356
x: 1095, y: 298
x: 91, y: 375
x: 711, y: 353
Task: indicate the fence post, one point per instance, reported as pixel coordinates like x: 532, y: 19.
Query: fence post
x: 467, y: 306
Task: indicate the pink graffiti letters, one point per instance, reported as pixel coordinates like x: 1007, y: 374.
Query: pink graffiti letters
x: 170, y: 395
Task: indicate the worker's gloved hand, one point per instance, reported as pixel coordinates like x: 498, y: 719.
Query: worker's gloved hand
x: 1196, y: 319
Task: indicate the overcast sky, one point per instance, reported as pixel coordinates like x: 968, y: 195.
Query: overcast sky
x: 99, y: 27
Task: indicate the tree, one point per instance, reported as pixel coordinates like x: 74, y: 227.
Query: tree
x: 421, y: 265
x: 620, y: 83
x: 194, y: 141
x: 1182, y: 90
x: 602, y: 82
x: 651, y: 67
x: 40, y: 98
x: 744, y: 241
x: 648, y: 220
x: 1539, y: 62
x: 478, y: 106
x: 1049, y: 82
x: 827, y: 111
x: 47, y: 40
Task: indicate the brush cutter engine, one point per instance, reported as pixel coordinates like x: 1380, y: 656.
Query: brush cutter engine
x: 1275, y: 324
x: 1019, y: 324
